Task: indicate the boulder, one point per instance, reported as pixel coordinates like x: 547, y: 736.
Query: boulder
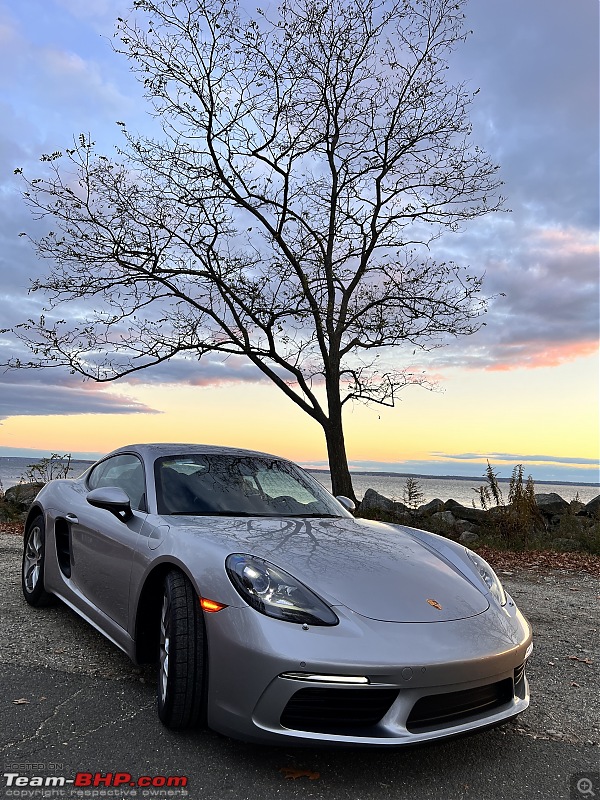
x: 443, y: 518
x: 463, y: 526
x: 373, y: 501
x: 22, y: 495
x: 432, y: 507
x: 376, y: 503
x: 551, y: 504
x: 468, y: 537
x: 591, y: 509
x: 477, y: 516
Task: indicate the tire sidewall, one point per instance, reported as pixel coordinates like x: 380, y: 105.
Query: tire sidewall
x: 165, y: 705
x: 38, y: 595
x: 186, y: 676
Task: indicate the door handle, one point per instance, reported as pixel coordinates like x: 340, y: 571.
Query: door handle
x: 72, y: 518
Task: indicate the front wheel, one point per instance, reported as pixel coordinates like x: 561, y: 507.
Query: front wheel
x: 32, y: 573
x: 182, y: 655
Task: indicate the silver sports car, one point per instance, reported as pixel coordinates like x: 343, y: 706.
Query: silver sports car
x: 274, y: 614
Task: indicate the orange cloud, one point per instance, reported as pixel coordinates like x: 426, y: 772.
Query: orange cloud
x: 569, y: 241
x: 534, y: 355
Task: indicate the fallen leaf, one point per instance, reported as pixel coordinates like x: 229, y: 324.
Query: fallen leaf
x: 22, y: 701
x: 293, y: 773
x: 582, y: 660
x: 537, y: 559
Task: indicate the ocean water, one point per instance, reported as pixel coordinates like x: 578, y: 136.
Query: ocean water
x: 13, y: 469
x: 445, y: 488
x: 389, y: 485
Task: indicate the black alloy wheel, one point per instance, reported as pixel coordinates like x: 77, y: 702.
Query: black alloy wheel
x: 32, y: 572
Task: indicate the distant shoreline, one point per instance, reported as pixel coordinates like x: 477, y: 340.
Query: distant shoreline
x: 373, y: 473
x: 456, y: 477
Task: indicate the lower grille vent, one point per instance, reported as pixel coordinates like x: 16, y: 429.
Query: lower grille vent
x: 341, y: 711
x: 438, y: 710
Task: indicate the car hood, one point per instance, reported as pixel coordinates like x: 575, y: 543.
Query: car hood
x: 379, y: 571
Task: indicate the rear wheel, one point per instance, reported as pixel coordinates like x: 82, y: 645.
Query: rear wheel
x: 182, y: 655
x: 32, y: 573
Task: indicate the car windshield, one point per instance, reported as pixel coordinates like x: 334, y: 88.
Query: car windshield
x: 228, y: 485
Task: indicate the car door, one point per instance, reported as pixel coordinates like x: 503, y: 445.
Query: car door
x: 102, y: 544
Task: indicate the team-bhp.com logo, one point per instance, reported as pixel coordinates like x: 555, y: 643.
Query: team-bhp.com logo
x: 93, y: 780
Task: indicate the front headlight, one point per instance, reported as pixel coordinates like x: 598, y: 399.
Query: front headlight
x: 488, y: 576
x: 275, y: 593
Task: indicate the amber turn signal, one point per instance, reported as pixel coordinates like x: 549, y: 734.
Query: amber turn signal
x: 211, y: 605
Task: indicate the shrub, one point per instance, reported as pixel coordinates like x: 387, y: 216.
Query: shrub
x: 48, y: 469
x: 412, y: 494
x: 518, y: 522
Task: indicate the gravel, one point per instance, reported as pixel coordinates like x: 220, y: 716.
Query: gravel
x: 562, y: 606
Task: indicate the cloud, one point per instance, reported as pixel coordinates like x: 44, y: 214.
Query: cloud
x: 27, y: 392
x: 61, y: 78
x: 53, y: 392
x: 537, y: 113
x: 208, y: 371
x: 96, y: 10
x: 554, y: 469
x: 536, y: 64
x: 35, y: 399
x: 69, y: 77
x: 545, y: 308
x: 516, y: 458
x: 36, y: 453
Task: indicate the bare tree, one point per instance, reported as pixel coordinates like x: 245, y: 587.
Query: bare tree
x: 307, y: 163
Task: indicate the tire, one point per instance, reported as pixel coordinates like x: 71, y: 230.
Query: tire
x: 182, y: 678
x: 32, y: 571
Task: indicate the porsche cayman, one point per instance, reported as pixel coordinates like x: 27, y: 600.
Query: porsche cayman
x: 274, y: 614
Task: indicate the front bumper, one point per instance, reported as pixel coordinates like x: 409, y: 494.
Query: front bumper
x: 425, y: 681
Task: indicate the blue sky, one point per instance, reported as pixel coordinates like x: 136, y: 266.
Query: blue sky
x: 536, y: 64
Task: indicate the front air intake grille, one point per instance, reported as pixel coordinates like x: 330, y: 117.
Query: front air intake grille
x: 341, y: 711
x: 440, y: 710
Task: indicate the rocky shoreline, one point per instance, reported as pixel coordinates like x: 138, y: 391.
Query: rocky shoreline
x: 555, y: 524
x: 15, y: 501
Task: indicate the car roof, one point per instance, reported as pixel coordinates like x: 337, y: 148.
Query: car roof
x: 160, y: 449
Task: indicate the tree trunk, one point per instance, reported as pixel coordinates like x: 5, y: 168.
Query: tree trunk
x: 341, y: 482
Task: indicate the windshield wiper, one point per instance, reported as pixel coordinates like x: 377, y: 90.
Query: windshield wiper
x: 313, y: 516
x: 221, y: 514
x: 275, y: 514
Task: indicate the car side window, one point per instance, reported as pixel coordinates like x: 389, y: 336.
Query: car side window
x: 125, y: 472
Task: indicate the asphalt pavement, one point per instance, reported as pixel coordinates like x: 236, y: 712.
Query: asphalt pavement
x: 74, y: 709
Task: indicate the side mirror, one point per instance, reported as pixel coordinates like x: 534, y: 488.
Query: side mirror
x: 348, y: 504
x: 112, y: 499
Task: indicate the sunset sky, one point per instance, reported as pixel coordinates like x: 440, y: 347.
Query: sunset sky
x: 522, y: 390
